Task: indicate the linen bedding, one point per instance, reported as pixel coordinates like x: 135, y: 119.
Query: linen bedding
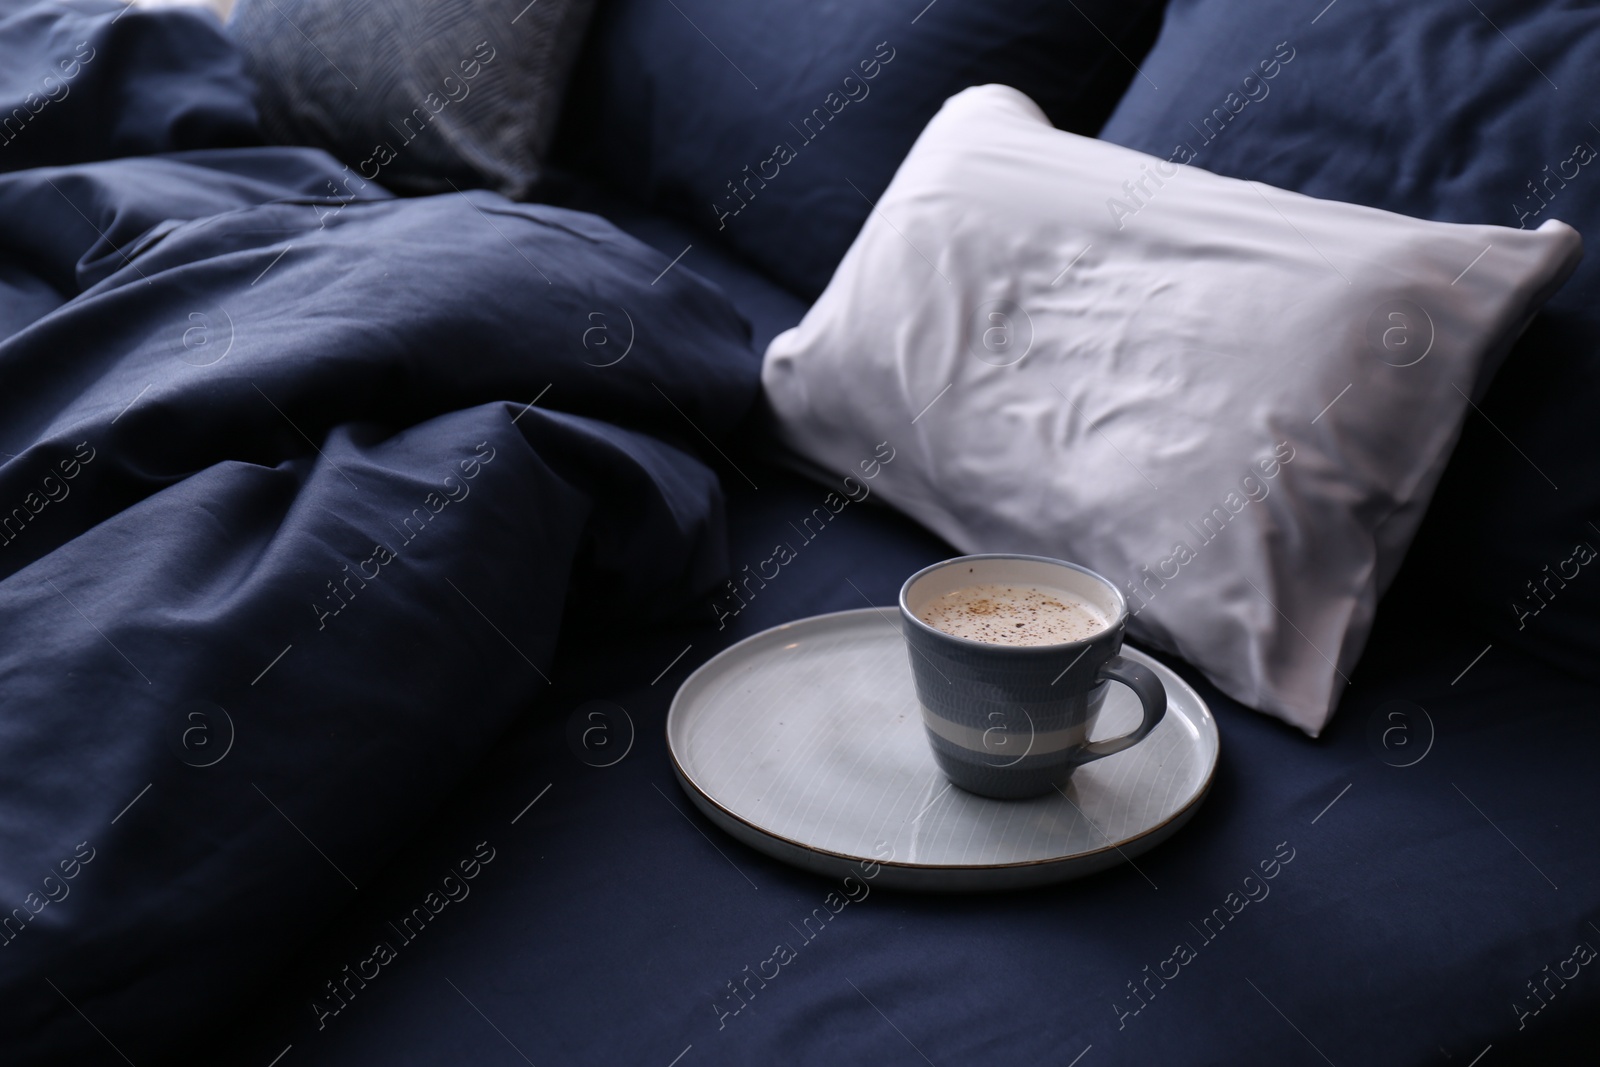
x: 301, y: 483
x: 615, y: 925
x: 188, y: 908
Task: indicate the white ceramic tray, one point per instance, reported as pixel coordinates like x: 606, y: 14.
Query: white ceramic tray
x: 806, y: 742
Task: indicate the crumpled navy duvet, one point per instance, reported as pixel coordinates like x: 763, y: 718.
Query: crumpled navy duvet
x: 300, y: 484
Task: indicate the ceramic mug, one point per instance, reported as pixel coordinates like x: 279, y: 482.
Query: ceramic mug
x: 1013, y: 721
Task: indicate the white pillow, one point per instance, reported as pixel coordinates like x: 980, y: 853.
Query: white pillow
x: 1231, y: 400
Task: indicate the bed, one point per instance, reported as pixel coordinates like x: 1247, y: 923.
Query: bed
x: 329, y: 797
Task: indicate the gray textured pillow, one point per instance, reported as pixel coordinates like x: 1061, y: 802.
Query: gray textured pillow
x: 415, y: 95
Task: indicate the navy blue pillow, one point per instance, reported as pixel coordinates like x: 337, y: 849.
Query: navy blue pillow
x: 1459, y: 112
x: 99, y: 80
x: 776, y: 127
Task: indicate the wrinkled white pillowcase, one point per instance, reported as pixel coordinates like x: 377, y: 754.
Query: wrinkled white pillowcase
x: 1231, y: 400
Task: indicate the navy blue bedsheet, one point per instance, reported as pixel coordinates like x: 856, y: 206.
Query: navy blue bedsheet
x: 223, y: 383
x: 301, y: 486
x: 768, y: 307
x: 1433, y: 856
x: 95, y: 79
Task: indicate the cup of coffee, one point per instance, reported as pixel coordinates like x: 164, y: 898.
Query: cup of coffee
x: 1012, y: 656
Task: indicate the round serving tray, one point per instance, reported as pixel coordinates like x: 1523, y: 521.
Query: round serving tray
x: 806, y: 742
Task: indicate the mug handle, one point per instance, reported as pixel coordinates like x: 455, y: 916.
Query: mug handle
x: 1152, y: 695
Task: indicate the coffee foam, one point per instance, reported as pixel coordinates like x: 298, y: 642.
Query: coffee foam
x: 1013, y: 615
